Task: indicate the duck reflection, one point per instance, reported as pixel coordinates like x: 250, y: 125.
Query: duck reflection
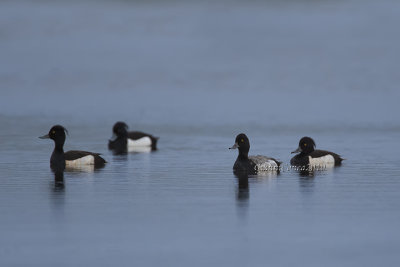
x: 58, y: 181
x: 244, y: 179
x: 306, y: 182
x: 242, y: 193
x: 57, y: 197
x: 309, y: 170
x: 306, y: 174
x: 307, y: 177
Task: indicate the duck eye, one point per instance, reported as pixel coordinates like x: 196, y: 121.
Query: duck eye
x: 241, y: 140
x: 53, y: 132
x: 305, y: 144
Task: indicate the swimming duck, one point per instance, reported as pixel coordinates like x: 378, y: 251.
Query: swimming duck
x: 124, y: 141
x: 310, y: 157
x: 252, y: 164
x: 72, y: 159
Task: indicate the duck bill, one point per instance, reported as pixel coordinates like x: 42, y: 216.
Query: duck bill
x: 234, y: 146
x: 298, y: 150
x: 46, y: 136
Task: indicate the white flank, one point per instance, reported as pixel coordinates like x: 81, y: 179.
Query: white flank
x: 139, y: 149
x: 269, y: 165
x: 86, y: 160
x: 264, y: 164
x: 327, y: 161
x: 144, y: 141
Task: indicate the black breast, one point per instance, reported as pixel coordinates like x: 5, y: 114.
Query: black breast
x: 119, y: 146
x: 57, y: 161
x: 300, y: 160
x: 245, y: 165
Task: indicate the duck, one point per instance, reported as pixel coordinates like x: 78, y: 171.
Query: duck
x: 73, y: 159
x: 251, y: 164
x: 123, y: 141
x: 310, y: 157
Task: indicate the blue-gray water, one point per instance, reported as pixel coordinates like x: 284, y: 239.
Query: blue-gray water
x: 196, y: 74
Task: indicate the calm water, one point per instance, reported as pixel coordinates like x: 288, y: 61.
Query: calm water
x: 196, y: 75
